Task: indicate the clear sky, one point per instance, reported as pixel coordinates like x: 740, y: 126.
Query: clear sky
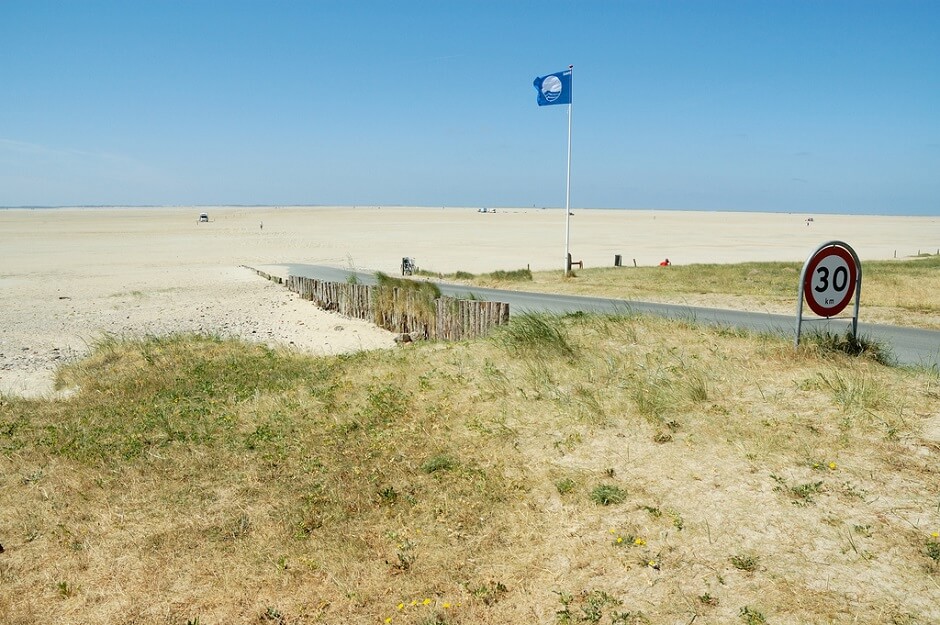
x: 819, y: 106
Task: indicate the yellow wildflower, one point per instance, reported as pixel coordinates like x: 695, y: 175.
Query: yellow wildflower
x: 446, y: 605
x: 935, y: 535
x: 426, y: 601
x: 832, y: 466
x: 388, y: 620
x: 401, y: 606
x: 619, y: 539
x: 639, y: 541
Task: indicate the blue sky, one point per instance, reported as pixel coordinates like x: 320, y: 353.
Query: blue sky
x: 765, y: 106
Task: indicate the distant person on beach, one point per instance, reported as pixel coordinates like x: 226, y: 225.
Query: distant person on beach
x: 665, y: 263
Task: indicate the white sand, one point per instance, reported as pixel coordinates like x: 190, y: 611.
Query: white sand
x: 68, y: 276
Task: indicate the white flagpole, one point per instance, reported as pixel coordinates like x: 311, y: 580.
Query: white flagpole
x: 568, y: 178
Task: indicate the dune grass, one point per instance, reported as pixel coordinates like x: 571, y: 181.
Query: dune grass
x: 578, y: 469
x: 501, y: 275
x: 416, y: 302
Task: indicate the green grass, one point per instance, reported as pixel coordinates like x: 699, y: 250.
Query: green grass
x: 608, y: 494
x: 518, y: 275
x: 534, y: 334
x: 500, y: 275
x: 405, y: 305
x: 439, y: 463
x: 848, y: 344
x: 745, y: 562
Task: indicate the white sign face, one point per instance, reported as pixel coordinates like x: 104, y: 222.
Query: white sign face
x: 830, y: 281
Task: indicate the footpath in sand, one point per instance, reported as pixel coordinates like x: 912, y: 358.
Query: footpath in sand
x: 68, y: 277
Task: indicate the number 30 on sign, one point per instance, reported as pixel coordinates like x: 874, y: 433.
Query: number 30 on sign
x: 829, y: 280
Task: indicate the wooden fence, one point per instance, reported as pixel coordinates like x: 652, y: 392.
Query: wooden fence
x: 401, y: 310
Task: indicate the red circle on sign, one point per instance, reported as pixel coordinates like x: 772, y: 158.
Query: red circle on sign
x: 828, y: 308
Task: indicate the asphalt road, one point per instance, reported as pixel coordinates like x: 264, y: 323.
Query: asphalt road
x: 909, y: 346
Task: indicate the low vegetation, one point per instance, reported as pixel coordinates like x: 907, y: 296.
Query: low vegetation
x: 415, y: 302
x: 499, y: 276
x: 902, y: 292
x: 579, y: 469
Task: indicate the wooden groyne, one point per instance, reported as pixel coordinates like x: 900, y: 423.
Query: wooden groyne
x: 400, y: 310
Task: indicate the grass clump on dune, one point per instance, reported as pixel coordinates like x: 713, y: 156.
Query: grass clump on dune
x: 500, y: 275
x: 599, y: 469
x: 535, y: 333
x: 405, y: 305
x: 848, y: 344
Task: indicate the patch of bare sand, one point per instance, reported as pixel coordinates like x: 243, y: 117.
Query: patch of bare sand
x: 48, y: 324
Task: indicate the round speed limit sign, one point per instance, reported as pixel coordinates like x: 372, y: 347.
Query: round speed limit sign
x: 829, y: 280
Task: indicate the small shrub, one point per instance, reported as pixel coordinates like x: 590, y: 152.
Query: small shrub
x: 608, y: 494
x: 851, y: 345
x: 855, y: 391
x: 537, y: 334
x: 932, y: 549
x: 412, y: 302
x: 565, y: 486
x: 751, y: 616
x: 65, y: 589
x: 707, y: 599
x: 388, y: 495
x: 802, y: 494
x: 589, y: 607
x: 696, y: 386
x: 441, y: 462
x: 238, y: 528
x: 653, y: 511
x: 406, y: 557
x: 518, y: 275
x: 745, y: 562
x: 490, y: 593
x: 662, y: 437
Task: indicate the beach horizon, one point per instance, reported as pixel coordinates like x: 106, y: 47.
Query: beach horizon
x: 448, y: 239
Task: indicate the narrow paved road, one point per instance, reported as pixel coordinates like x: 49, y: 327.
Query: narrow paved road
x: 909, y: 346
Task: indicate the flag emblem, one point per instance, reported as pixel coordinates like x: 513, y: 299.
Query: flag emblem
x: 554, y: 88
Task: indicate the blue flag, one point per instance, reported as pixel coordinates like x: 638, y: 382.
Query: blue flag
x: 554, y: 88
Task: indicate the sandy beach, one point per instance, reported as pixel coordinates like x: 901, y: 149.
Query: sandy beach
x: 69, y: 276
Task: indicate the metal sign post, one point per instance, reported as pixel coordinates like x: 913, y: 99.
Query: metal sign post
x: 830, y: 276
